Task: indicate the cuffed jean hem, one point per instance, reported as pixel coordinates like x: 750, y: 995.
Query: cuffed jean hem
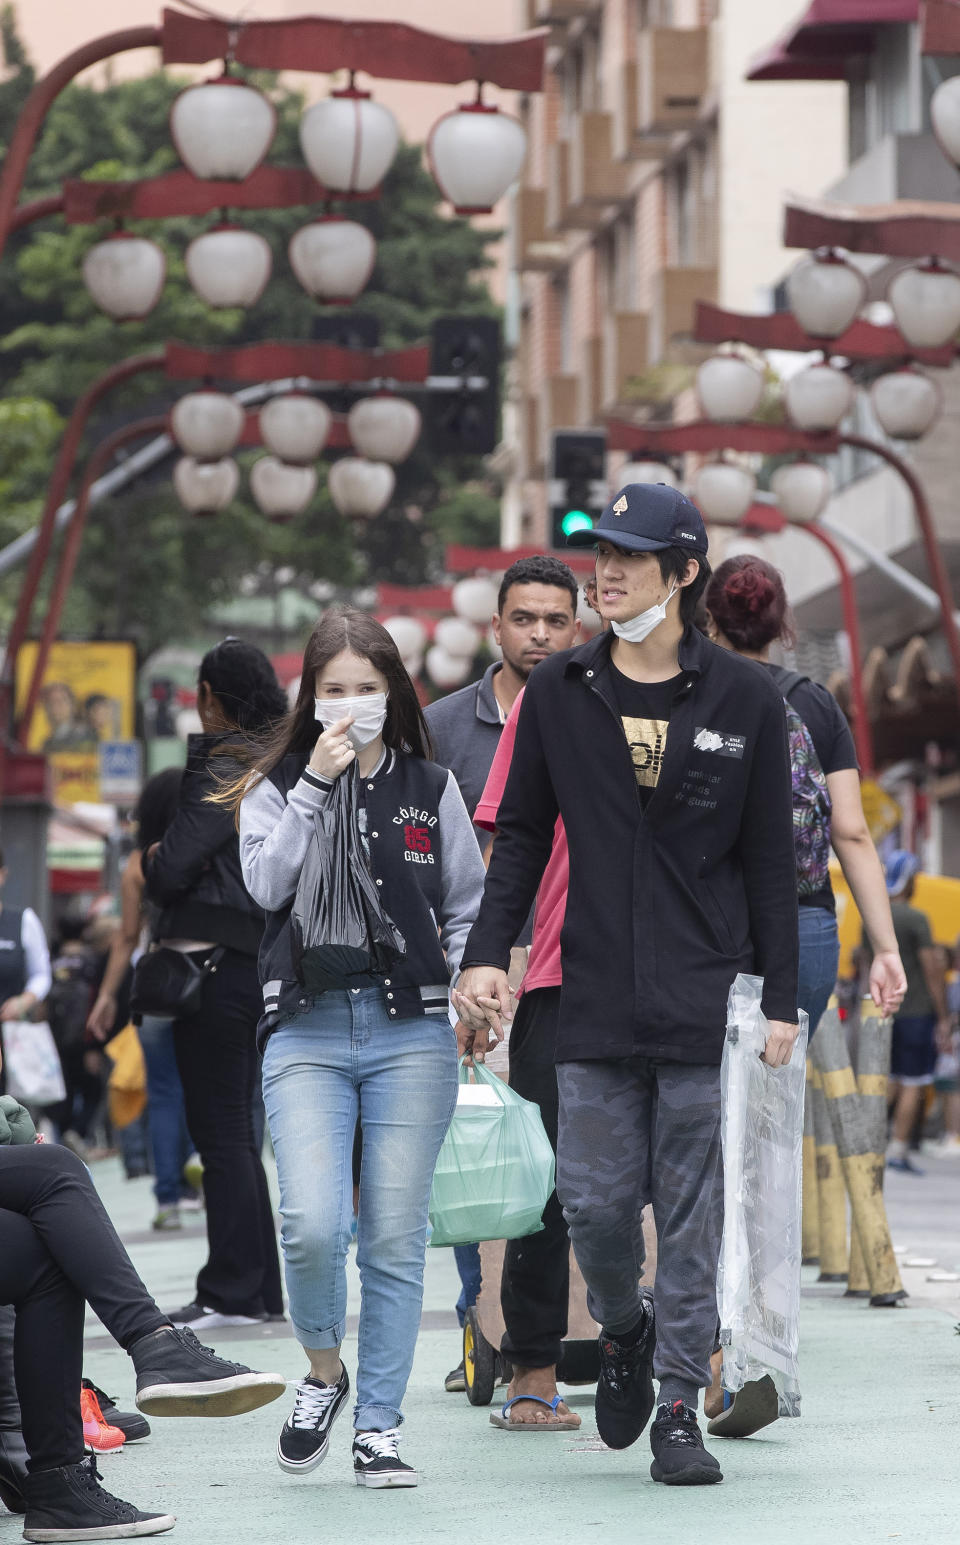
x: 376, y: 1418
x: 320, y: 1340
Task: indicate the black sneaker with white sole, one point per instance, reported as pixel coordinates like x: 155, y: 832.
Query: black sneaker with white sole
x: 176, y: 1376
x: 456, y: 1380
x: 624, y: 1399
x: 305, y: 1437
x: 197, y: 1316
x: 70, y: 1504
x: 679, y: 1457
x: 376, y: 1462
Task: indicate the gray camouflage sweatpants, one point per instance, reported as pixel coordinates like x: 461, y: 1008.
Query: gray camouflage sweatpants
x: 635, y: 1131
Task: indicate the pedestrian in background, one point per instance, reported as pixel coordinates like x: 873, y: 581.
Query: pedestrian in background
x: 536, y: 617
x: 193, y: 876
x: 923, y: 1023
x: 380, y: 1048
x: 170, y: 1142
x: 747, y: 612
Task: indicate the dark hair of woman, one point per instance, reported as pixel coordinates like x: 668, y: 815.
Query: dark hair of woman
x: 343, y: 628
x: 245, y: 683
x: 747, y: 601
x: 157, y: 805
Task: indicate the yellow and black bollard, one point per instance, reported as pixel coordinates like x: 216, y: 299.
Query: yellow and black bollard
x: 853, y: 1125
x: 831, y: 1192
x: 810, y: 1248
x: 873, y: 1073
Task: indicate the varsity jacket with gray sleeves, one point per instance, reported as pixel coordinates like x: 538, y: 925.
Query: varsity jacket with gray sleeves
x: 423, y: 858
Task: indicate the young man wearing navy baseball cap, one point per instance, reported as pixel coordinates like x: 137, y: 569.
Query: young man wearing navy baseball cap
x: 668, y: 760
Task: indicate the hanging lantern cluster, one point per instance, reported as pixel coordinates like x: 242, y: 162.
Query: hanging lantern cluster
x: 361, y: 489
x: 475, y: 154
x: 825, y: 293
x: 475, y: 600
x: 410, y: 637
x: 724, y: 491
x: 452, y: 653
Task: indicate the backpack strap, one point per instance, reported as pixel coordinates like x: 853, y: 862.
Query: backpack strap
x: 788, y: 681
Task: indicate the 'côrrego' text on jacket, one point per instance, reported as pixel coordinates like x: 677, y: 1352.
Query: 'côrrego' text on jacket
x: 423, y: 858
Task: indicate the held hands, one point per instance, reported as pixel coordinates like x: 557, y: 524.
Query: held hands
x: 888, y: 981
x: 780, y: 1043
x: 333, y: 752
x: 482, y: 999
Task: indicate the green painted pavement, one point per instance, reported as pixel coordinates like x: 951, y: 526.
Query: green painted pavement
x: 874, y: 1457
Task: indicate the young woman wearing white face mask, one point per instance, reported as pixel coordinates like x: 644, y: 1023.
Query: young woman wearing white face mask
x: 379, y: 1048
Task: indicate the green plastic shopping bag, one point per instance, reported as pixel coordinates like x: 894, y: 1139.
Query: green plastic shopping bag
x: 496, y: 1168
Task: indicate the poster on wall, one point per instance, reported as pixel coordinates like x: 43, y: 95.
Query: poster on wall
x: 85, y: 713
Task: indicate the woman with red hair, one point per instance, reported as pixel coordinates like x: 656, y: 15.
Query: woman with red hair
x: 748, y: 612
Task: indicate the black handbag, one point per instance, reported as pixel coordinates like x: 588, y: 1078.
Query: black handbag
x: 168, y: 984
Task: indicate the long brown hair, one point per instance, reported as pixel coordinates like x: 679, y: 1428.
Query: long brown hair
x: 342, y: 628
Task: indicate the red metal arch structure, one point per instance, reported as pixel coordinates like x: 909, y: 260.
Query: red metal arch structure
x: 391, y: 50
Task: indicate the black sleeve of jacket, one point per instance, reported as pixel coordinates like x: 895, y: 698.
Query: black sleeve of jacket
x: 770, y: 867
x: 197, y: 831
x: 526, y: 819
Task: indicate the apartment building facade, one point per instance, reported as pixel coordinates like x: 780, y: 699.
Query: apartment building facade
x: 654, y: 180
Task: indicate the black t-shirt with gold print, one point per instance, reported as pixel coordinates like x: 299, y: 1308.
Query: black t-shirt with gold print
x: 645, y: 716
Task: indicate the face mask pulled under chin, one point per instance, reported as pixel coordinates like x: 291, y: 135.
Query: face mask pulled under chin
x: 369, y: 715
x: 639, y: 628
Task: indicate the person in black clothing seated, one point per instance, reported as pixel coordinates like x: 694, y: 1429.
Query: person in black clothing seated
x: 58, y: 1250
x: 194, y: 876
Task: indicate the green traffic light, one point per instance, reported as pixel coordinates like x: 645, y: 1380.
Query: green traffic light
x: 575, y: 520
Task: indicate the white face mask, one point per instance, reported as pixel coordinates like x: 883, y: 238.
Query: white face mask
x: 368, y: 712
x: 637, y: 629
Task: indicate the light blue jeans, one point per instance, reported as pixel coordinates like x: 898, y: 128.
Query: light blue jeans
x: 323, y: 1066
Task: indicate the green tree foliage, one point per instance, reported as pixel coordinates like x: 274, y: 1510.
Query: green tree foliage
x: 147, y: 568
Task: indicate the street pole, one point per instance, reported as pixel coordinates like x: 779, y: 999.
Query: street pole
x: 98, y: 463
x: 35, y: 109
x: 59, y: 482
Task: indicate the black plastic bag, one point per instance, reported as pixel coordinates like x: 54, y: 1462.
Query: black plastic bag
x: 339, y: 928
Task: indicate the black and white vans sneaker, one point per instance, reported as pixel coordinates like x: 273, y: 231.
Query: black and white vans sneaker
x: 305, y: 1437
x: 376, y: 1462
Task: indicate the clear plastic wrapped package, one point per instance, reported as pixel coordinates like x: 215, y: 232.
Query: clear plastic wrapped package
x: 758, y: 1285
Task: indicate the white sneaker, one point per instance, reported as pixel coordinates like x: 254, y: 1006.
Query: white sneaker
x: 376, y: 1462
x: 196, y: 1316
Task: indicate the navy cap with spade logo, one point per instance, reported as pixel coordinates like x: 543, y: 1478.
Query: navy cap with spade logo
x: 646, y: 518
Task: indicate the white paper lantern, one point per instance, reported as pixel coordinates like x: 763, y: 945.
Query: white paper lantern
x: 645, y: 472
x: 384, y: 428
x: 475, y: 153
x: 410, y: 637
x: 818, y: 398
x: 458, y: 637
x: 926, y: 304
x: 333, y: 258
x: 906, y: 403
x: 207, y: 425
x: 729, y: 388
x: 825, y: 293
x: 446, y: 670
x: 281, y: 491
x: 723, y: 491
x: 222, y: 129
x: 802, y: 489
x: 945, y: 117
x: 125, y: 275
x: 476, y: 600
x: 361, y: 488
x: 349, y: 141
x: 229, y: 266
x: 203, y: 487
x: 295, y: 427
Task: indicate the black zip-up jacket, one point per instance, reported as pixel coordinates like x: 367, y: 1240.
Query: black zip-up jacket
x: 666, y: 906
x: 194, y: 877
